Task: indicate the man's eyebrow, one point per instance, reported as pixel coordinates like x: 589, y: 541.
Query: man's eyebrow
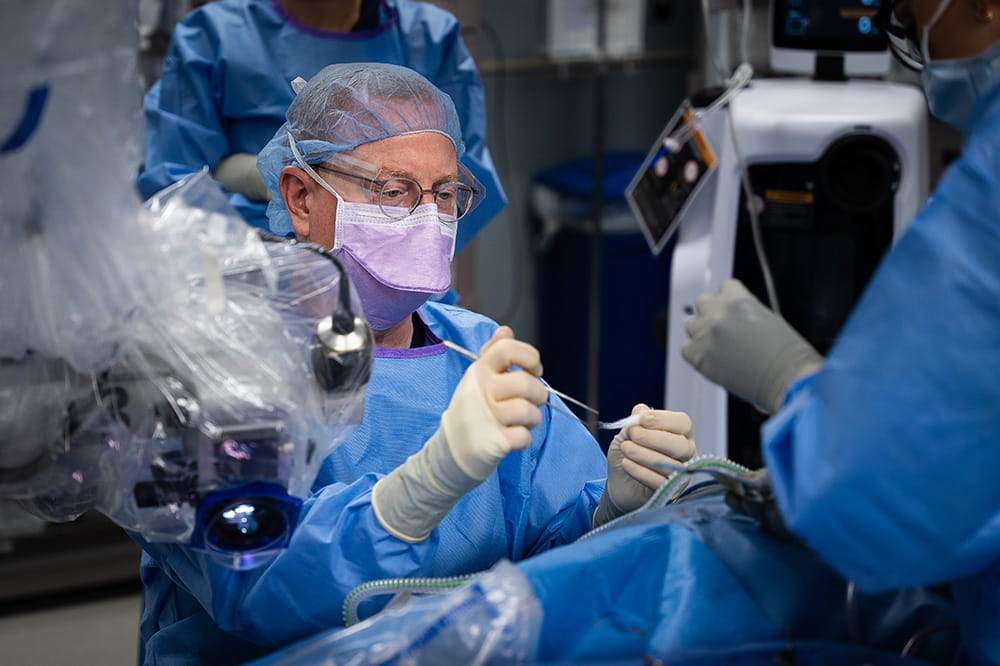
x: 394, y: 173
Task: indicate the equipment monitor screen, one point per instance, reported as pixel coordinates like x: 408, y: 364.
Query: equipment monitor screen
x: 802, y: 29
x: 673, y: 171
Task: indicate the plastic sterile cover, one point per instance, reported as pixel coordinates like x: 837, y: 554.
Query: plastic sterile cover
x: 226, y: 371
x: 149, y: 357
x: 493, y: 619
x: 74, y: 264
x: 216, y: 387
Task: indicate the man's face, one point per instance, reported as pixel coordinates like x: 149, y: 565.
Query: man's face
x: 426, y: 157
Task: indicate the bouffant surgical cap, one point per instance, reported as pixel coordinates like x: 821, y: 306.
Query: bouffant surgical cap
x: 346, y: 105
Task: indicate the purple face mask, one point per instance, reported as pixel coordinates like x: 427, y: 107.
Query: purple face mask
x: 394, y: 264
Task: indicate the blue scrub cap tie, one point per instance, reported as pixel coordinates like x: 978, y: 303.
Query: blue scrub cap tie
x: 346, y: 105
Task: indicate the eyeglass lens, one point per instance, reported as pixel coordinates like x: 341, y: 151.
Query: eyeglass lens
x: 397, y: 197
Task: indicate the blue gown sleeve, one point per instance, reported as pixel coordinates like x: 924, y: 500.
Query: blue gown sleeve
x: 883, y: 461
x: 337, y: 545
x: 184, y: 128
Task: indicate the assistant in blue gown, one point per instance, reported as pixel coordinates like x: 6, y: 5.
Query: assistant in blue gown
x: 885, y: 460
x: 534, y: 502
x: 226, y: 86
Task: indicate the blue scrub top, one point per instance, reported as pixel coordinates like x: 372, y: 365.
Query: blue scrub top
x: 884, y: 460
x: 226, y: 86
x: 196, y: 611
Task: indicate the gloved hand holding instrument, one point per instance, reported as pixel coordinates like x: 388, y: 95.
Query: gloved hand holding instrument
x: 491, y: 414
x: 743, y: 346
x: 639, y: 458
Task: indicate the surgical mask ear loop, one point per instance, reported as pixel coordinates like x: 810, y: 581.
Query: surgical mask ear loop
x: 309, y: 170
x: 322, y: 183
x: 925, y: 48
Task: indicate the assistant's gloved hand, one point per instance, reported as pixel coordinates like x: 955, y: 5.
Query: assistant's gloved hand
x: 238, y: 173
x: 660, y: 437
x: 490, y: 414
x: 745, y: 347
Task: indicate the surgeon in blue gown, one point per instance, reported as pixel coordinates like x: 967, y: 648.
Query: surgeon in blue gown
x: 227, y: 75
x: 455, y: 465
x: 884, y: 459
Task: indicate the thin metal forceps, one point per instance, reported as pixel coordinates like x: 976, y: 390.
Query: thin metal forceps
x: 472, y: 356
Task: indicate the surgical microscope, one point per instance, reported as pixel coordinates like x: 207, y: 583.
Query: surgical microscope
x: 161, y: 363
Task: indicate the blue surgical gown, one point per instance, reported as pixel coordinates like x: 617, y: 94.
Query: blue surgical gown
x: 196, y: 611
x: 226, y: 86
x: 884, y: 460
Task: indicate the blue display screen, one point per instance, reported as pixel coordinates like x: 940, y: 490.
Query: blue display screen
x: 827, y: 25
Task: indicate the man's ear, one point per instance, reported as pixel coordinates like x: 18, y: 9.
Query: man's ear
x: 293, y: 184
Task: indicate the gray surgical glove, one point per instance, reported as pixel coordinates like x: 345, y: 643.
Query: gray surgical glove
x: 661, y: 437
x: 490, y: 414
x: 744, y: 347
x: 238, y: 173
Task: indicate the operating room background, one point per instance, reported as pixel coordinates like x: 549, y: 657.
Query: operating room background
x: 541, y: 114
x: 544, y: 113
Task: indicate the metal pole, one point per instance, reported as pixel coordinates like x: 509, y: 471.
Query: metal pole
x: 597, y: 210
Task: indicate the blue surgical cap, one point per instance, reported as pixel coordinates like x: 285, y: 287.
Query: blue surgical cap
x: 346, y: 105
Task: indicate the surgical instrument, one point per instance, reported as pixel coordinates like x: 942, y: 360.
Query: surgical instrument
x: 472, y: 356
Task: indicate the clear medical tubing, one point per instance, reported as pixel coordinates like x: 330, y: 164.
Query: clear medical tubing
x: 377, y: 588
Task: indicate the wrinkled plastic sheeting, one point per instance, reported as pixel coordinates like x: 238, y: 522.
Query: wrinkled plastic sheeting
x: 493, y: 619
x: 247, y: 355
x: 228, y: 342
x: 74, y: 263
x: 135, y: 341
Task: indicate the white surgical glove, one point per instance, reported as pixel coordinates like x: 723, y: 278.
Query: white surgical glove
x: 746, y: 348
x: 238, y: 173
x: 660, y: 437
x: 490, y: 414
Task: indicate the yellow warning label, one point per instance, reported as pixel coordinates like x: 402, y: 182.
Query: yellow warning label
x: 789, y: 196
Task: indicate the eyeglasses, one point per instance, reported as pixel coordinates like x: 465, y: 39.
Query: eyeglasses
x: 904, y: 43
x: 397, y: 197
